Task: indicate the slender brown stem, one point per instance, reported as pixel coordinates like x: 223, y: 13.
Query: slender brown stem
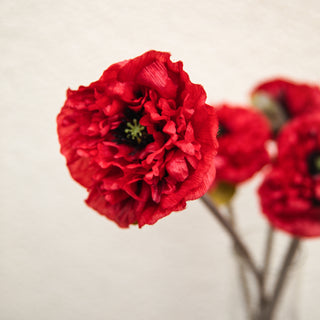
x: 266, y: 265
x: 241, y: 247
x: 283, y: 274
x: 231, y: 214
x: 241, y: 268
x: 246, y: 291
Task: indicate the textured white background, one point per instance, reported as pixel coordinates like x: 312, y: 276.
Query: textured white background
x: 59, y: 259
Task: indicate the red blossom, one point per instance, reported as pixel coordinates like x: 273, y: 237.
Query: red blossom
x: 290, y: 192
x: 141, y: 139
x: 242, y: 138
x: 283, y: 100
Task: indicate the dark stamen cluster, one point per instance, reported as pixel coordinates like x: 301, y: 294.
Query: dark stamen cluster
x: 314, y: 163
x: 130, y: 132
x: 222, y: 130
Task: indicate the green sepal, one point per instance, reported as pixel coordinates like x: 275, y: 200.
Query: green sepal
x: 222, y: 193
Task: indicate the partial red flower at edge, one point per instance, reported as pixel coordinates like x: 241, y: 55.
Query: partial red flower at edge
x: 141, y: 139
x: 242, y: 137
x: 282, y: 100
x: 290, y: 192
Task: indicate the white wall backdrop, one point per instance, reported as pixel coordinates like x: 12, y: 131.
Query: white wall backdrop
x: 58, y: 258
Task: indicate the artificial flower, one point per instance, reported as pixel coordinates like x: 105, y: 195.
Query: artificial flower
x: 290, y: 192
x: 282, y: 100
x: 243, y: 135
x: 141, y: 139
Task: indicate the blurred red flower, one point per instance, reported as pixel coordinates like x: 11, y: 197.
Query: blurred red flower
x: 141, y: 139
x: 282, y: 100
x: 242, y: 138
x: 290, y: 192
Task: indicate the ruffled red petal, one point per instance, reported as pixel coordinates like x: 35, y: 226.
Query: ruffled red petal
x: 289, y: 194
x: 140, y: 179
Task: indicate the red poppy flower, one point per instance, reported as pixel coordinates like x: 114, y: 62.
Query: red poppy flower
x: 242, y: 138
x: 141, y: 139
x: 282, y: 100
x: 290, y: 193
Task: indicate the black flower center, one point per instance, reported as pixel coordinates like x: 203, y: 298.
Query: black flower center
x: 131, y: 132
x: 314, y: 163
x: 282, y: 100
x: 222, y: 130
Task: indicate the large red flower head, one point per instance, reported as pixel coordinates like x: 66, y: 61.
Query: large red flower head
x: 290, y: 193
x: 242, y: 138
x: 282, y: 100
x: 141, y: 139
